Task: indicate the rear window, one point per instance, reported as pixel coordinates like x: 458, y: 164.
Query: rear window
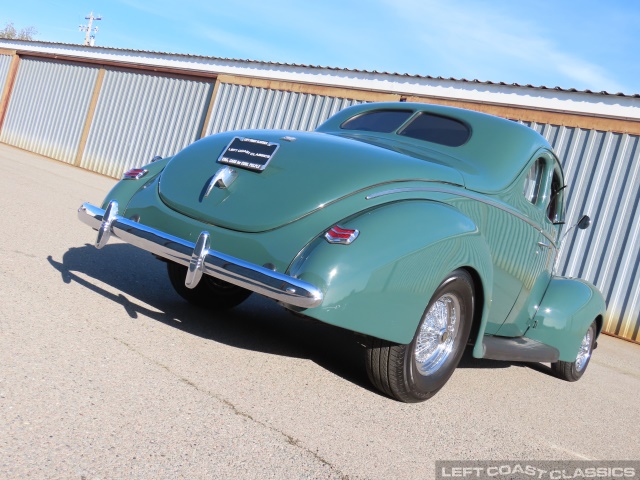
x: 437, y: 129
x: 382, y: 121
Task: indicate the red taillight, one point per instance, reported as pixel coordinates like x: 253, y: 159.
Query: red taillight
x: 135, y: 174
x: 341, y: 235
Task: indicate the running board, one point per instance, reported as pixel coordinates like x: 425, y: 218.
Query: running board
x: 519, y: 349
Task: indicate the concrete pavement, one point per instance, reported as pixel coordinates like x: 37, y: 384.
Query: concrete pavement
x: 106, y: 373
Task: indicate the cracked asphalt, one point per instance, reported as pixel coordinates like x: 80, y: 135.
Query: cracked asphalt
x: 105, y: 373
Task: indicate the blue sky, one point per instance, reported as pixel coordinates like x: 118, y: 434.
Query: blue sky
x: 583, y: 44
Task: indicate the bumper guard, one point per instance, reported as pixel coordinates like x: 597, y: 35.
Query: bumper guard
x: 199, y: 258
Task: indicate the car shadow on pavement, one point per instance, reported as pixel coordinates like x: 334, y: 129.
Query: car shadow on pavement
x: 139, y: 283
x: 133, y: 278
x: 468, y: 361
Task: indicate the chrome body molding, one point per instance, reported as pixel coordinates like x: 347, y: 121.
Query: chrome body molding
x: 199, y: 258
x: 223, y: 178
x: 471, y: 195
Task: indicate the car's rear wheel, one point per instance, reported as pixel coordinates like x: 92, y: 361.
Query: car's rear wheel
x: 573, y: 371
x: 209, y: 293
x: 416, y: 371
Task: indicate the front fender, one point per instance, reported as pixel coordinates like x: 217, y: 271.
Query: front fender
x: 381, y: 283
x: 568, y: 308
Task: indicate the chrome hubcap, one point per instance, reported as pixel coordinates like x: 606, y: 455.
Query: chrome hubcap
x: 585, y: 352
x: 437, y: 333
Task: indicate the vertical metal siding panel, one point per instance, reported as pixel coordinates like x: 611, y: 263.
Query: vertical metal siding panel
x: 610, y: 181
x: 222, y: 105
x: 272, y: 112
x: 625, y: 181
x: 48, y: 107
x: 271, y: 100
x: 139, y: 115
x: 602, y: 170
x: 259, y: 97
x: 5, y: 63
x: 288, y: 105
x: 291, y: 118
x: 244, y: 107
x: 623, y: 297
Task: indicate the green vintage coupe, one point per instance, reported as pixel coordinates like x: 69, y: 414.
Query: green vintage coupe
x: 422, y: 228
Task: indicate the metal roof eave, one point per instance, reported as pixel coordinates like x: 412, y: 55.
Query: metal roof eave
x: 570, y: 101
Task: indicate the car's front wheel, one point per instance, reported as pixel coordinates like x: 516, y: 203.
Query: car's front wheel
x: 572, y: 371
x: 210, y: 292
x: 416, y: 371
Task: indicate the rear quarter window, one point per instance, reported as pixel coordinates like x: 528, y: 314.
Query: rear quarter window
x: 382, y: 121
x: 437, y: 129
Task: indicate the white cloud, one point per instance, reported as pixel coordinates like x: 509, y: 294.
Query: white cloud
x: 473, y: 38
x: 247, y: 47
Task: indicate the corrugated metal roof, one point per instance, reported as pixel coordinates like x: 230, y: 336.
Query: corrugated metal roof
x: 297, y: 65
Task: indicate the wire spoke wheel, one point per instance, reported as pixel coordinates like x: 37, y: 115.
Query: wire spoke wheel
x: 435, y: 338
x: 573, y: 371
x: 585, y: 352
x: 416, y: 371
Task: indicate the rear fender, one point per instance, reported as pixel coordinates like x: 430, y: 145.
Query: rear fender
x: 568, y: 308
x: 123, y: 191
x: 380, y: 284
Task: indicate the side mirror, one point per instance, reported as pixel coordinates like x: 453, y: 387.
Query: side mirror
x: 585, y: 222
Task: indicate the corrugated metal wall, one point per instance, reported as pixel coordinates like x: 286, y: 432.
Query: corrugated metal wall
x: 602, y: 171
x: 243, y: 107
x: 48, y: 107
x: 5, y: 63
x: 140, y: 115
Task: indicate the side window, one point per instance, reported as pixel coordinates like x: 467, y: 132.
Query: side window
x: 533, y: 181
x: 555, y: 209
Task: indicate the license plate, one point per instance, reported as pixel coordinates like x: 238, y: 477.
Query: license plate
x: 248, y: 153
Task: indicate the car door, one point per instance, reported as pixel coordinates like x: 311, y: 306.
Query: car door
x: 540, y: 210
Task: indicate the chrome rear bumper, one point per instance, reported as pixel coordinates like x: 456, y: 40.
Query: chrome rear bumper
x: 199, y: 258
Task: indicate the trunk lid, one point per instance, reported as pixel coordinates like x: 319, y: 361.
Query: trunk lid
x: 304, y: 174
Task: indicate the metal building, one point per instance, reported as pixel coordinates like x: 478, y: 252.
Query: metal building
x: 108, y: 109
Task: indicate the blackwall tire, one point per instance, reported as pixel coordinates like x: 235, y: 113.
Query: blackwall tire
x: 573, y: 371
x: 210, y: 292
x: 416, y: 371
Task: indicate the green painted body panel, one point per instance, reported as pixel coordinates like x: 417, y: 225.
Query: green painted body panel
x: 422, y: 210
x: 125, y: 189
x: 278, y: 246
x: 381, y: 284
x: 489, y: 162
x: 566, y: 312
x: 305, y: 175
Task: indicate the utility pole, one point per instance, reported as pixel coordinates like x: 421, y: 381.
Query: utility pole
x: 90, y: 35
